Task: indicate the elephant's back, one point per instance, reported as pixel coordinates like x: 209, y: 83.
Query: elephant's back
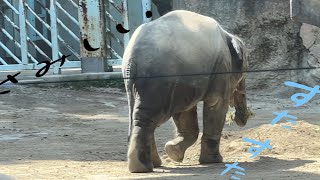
x: 178, y: 28
x: 189, y: 20
x: 178, y: 43
x: 181, y: 36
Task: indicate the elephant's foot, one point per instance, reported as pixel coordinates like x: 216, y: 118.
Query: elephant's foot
x: 139, y: 167
x: 210, y: 151
x: 174, y: 151
x: 139, y: 162
x: 140, y: 151
x: 207, y: 159
x: 156, y: 160
x: 177, y: 147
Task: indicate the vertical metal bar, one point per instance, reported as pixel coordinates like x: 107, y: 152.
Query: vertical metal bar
x: 23, y: 33
x: 92, y: 25
x: 44, y: 16
x: 1, y: 37
x: 126, y: 36
x: 32, y: 20
x: 54, y: 36
x: 146, y: 6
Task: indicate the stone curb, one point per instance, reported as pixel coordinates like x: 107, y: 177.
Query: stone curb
x: 66, y: 78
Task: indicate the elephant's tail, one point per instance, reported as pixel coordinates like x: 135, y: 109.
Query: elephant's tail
x: 129, y: 72
x: 131, y: 105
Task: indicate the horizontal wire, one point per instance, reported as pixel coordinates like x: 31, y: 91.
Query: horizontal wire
x: 232, y: 72
x: 165, y: 76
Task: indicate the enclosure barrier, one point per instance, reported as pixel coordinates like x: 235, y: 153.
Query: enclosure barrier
x: 32, y: 27
x: 33, y: 31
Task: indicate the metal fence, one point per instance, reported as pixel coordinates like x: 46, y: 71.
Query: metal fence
x: 116, y: 39
x: 32, y: 31
x: 30, y: 34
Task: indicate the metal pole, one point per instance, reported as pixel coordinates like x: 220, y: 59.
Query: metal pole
x: 32, y: 20
x: 44, y: 16
x: 93, y: 29
x: 146, y: 6
x: 23, y: 33
x: 54, y: 36
x: 126, y: 37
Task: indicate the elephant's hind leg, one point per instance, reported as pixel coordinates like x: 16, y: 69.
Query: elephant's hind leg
x: 149, y: 110
x: 142, y: 154
x: 213, y: 122
x: 156, y: 161
x: 187, y: 134
x: 140, y: 150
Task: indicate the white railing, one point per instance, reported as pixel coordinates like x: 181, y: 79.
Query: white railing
x: 123, y: 10
x: 30, y: 25
x: 25, y: 43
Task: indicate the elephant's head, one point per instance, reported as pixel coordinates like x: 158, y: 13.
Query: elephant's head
x: 239, y: 56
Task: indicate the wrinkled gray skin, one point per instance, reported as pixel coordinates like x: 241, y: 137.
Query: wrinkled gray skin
x: 181, y: 42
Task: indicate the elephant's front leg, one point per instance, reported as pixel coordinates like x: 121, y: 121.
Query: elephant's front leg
x: 187, y: 134
x: 213, y: 122
x: 140, y: 150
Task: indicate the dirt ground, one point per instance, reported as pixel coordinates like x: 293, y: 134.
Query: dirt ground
x: 65, y: 132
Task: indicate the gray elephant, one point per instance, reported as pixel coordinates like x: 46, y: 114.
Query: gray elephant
x: 185, y: 54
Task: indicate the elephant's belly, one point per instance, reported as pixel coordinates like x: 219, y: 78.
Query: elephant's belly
x: 159, y: 100
x: 185, y: 97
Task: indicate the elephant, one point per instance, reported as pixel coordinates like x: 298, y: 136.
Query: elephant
x: 169, y: 65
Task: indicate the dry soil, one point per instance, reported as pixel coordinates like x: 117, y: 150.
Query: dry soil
x: 63, y: 132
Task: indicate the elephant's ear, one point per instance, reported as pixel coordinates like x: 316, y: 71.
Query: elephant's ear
x: 236, y: 50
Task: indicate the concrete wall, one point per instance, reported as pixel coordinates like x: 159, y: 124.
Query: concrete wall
x: 162, y: 6
x: 311, y: 40
x: 267, y: 29
x: 306, y: 11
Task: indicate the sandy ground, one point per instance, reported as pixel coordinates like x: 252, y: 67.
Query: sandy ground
x: 59, y: 132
